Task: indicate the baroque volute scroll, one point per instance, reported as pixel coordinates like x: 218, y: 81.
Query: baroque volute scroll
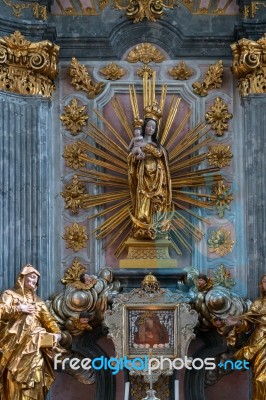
x: 27, y: 68
x: 249, y: 65
x: 85, y: 297
x: 140, y: 9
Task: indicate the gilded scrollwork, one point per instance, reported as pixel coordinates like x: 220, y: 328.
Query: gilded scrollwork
x: 85, y: 296
x: 39, y: 11
x: 217, y: 116
x: 213, y: 299
x: 181, y: 71
x: 249, y: 65
x: 74, y: 194
x: 82, y: 80
x: 140, y: 9
x: 222, y: 198
x: 112, y: 72
x: 76, y: 237
x: 72, y: 156
x: 145, y: 52
x: 219, y: 155
x: 27, y: 68
x: 220, y: 242
x: 74, y: 117
x: 212, y: 80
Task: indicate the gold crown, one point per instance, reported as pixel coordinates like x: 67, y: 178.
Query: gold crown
x: 153, y: 111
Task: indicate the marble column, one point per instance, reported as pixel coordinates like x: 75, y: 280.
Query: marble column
x: 255, y: 176
x: 27, y: 225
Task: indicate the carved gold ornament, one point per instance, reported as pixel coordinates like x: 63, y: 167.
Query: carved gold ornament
x: 219, y: 155
x: 140, y: 9
x: 218, y: 116
x: 72, y: 156
x: 76, y: 237
x: 27, y: 68
x: 222, y: 277
x: 181, y: 71
x: 222, y: 198
x: 249, y: 65
x: 81, y: 79
x: 145, y: 68
x: 74, y: 117
x: 39, y: 11
x: 112, y: 72
x: 220, y: 242
x: 74, y: 195
x: 212, y: 80
x: 145, y: 52
x: 73, y: 273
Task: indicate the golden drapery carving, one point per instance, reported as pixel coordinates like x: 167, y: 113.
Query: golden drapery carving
x: 249, y: 65
x: 254, y: 350
x: 26, y: 370
x: 27, y: 68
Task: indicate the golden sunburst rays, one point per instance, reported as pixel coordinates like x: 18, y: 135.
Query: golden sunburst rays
x: 107, y: 169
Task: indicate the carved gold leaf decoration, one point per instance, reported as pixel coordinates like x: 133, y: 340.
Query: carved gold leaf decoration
x: 222, y: 277
x: 140, y: 9
x: 181, y: 71
x: 112, y: 72
x: 219, y: 155
x: 145, y: 52
x: 39, y: 11
x: 81, y: 79
x: 72, y: 156
x: 76, y: 237
x: 218, y: 116
x: 222, y: 198
x: 73, y: 273
x: 27, y: 68
x: 220, y: 242
x: 143, y: 69
x: 212, y: 80
x: 74, y: 194
x: 74, y: 117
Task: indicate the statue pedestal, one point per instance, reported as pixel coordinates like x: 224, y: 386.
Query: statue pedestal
x: 148, y: 254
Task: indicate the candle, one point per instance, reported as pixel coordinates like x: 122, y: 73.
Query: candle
x: 176, y: 390
x: 150, y: 379
x: 126, y: 391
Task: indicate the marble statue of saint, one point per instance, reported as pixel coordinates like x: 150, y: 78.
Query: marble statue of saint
x: 28, y: 339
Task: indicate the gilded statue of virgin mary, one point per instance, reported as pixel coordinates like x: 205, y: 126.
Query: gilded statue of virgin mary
x: 143, y: 170
x: 150, y: 182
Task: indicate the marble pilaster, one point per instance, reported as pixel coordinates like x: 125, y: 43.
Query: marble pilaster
x: 27, y: 228
x: 255, y: 177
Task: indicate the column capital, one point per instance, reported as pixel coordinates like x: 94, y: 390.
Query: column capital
x: 27, y: 68
x: 249, y: 65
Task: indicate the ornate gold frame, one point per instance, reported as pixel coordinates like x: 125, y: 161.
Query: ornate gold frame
x: 172, y: 350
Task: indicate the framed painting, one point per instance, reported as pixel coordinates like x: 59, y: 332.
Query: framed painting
x: 150, y: 329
